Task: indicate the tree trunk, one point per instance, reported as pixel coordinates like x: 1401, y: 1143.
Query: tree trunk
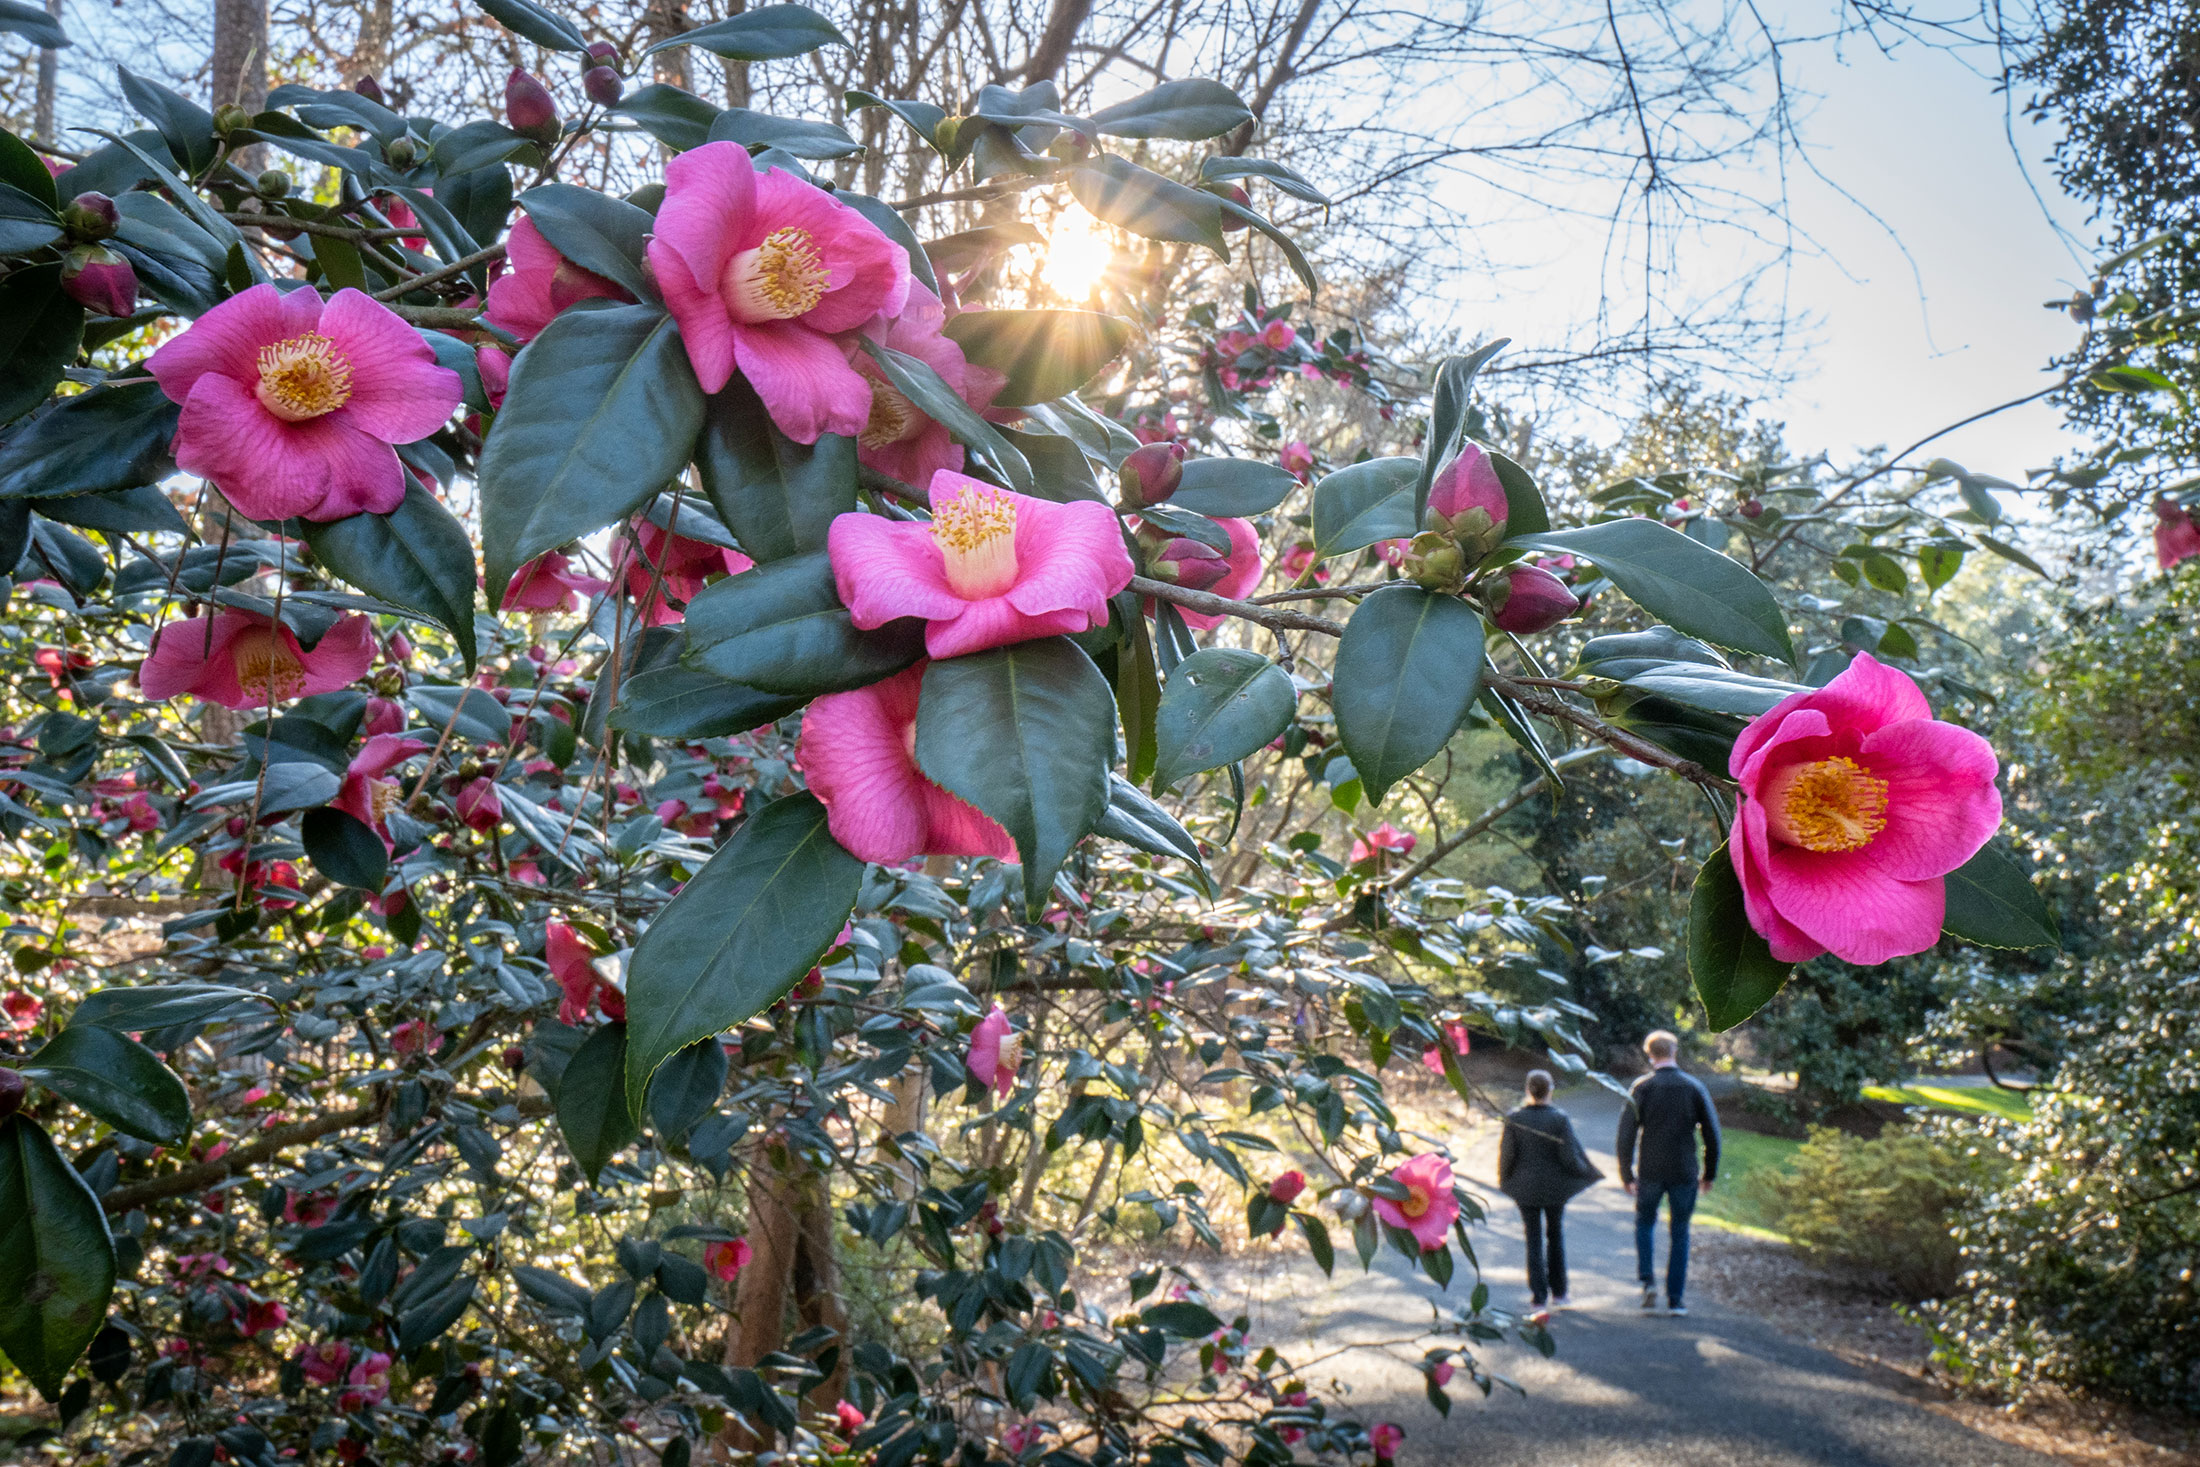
x: 666, y: 19
x: 737, y: 72
x: 371, y: 55
x: 790, y: 1229
x: 240, y: 66
x: 49, y: 66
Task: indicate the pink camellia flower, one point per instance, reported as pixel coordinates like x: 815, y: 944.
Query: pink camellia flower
x: 98, y: 279
x: 139, y: 812
x: 1385, y: 1438
x: 260, y: 1316
x: 1429, y: 1207
x: 899, y: 438
x: 290, y: 406
x: 1298, y: 560
x: 1524, y: 599
x: 384, y: 716
x: 245, y: 660
x: 478, y: 804
x: 1441, y: 1372
x: 412, y: 1037
x: 368, y: 793
x: 1278, y: 336
x: 549, y: 583
x: 540, y: 283
x: 858, y: 751
x: 995, y: 1052
x: 1286, y: 1188
x: 22, y: 1009
x: 726, y: 1258
x: 308, y: 1209
x: 991, y: 568
x: 573, y: 966
x: 671, y: 568
x: 1297, y: 459
x: 769, y: 274
x: 1456, y: 1039
x: 1467, y: 501
x: 369, y: 1382
x: 1019, y: 1437
x: 1384, y: 837
x: 850, y: 1418
x: 1246, y: 569
x: 1856, y: 804
x: 325, y: 1363
x: 2176, y: 537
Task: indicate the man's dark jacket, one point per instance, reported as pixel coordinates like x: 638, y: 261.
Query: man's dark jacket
x: 1664, y: 1110
x: 1540, y: 1162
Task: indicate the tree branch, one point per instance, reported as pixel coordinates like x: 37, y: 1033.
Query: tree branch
x: 206, y: 1173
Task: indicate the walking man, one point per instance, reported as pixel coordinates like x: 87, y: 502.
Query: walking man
x: 1664, y: 1111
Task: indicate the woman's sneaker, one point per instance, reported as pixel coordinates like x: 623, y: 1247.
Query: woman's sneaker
x: 1561, y: 1301
x: 1649, y: 1299
x: 1676, y: 1309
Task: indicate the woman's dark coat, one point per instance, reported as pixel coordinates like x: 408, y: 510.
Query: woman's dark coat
x: 1541, y: 1163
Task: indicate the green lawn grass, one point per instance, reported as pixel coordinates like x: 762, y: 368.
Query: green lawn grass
x: 1974, y: 1100
x: 1742, y: 1154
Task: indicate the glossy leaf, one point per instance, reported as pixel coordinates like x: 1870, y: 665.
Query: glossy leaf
x: 21, y: 168
x: 605, y: 235
x: 1448, y: 417
x: 1222, y: 704
x: 799, y: 136
x: 27, y: 222
x: 681, y: 702
x: 1119, y: 192
x: 781, y: 628
x: 767, y: 33
x: 929, y: 391
x: 57, y: 1259
x: 594, y: 1114
x: 1188, y: 111
x: 116, y: 1079
x: 680, y: 120
x: 686, y: 1087
x: 1221, y: 168
x: 1026, y: 733
x: 345, y: 848
x: 185, y: 126
x: 1133, y: 818
x: 603, y: 413
x: 418, y: 556
x: 538, y: 23
x: 1680, y: 582
x: 40, y: 332
x: 1044, y: 354
x: 739, y: 934
x: 166, y: 1006
x: 1524, y: 511
x: 1366, y: 502
x: 33, y: 24
x: 470, y: 713
x: 1408, y: 667
x: 778, y: 497
x: 1733, y: 968
x: 1232, y: 487
x: 1992, y: 902
x: 481, y: 144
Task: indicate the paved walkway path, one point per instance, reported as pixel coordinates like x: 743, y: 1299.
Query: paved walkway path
x: 1714, y: 1389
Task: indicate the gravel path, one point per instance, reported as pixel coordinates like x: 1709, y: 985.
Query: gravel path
x: 1714, y: 1389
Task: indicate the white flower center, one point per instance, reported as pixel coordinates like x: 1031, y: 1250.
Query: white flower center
x: 780, y: 279
x: 976, y: 531
x: 303, y: 377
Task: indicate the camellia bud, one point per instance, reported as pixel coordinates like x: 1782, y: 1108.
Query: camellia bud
x: 515, y: 1058
x: 1468, y: 500
x: 1150, y: 475
x: 530, y: 109
x: 98, y: 279
x: 1189, y: 564
x: 273, y: 184
x: 1231, y: 224
x: 603, y: 86
x: 91, y: 216
x: 1434, y: 562
x: 371, y: 89
x: 1286, y: 1188
x: 402, y: 153
x: 1527, y: 598
x: 945, y: 131
x: 1752, y: 508
x: 12, y: 1089
x: 602, y: 52
x: 229, y: 118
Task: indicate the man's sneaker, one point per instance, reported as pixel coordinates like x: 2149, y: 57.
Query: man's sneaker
x: 1540, y: 1314
x: 1676, y: 1309
x: 1560, y: 1301
x: 1649, y: 1300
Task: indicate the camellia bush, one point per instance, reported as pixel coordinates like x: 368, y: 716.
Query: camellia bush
x: 628, y: 817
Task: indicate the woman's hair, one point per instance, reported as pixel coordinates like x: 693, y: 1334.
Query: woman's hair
x: 1539, y: 1084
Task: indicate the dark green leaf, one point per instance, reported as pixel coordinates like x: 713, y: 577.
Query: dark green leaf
x: 143, y: 510
x: 1026, y: 733
x: 600, y: 234
x: 1317, y: 1240
x: 470, y: 713
x: 57, y: 1259
x: 767, y: 33
x: 685, y: 1089
x: 187, y: 198
x: 1524, y: 511
x: 1222, y: 704
x: 1234, y: 487
x: 481, y: 144
x: 781, y: 628
x: 1119, y: 192
x: 27, y: 222
x: 1189, y: 526
x: 1448, y: 416
x: 538, y: 23
x: 1059, y: 469
x: 1138, y: 822
x: 115, y: 1078
x: 778, y: 497
x: 184, y: 125
x: 345, y: 848
x: 2015, y: 556
x: 603, y: 413
x: 1292, y: 254
x: 417, y: 556
x: 688, y: 703
x: 1187, y: 110
x: 167, y: 1006
x: 1992, y: 902
x: 1680, y: 582
x: 1408, y: 667
x: 1733, y: 967
x: 33, y: 24
x: 739, y: 934
x: 798, y: 136
x: 680, y: 120
x: 594, y: 1112
x: 1356, y: 506
x: 944, y: 405
x: 1220, y: 168
x: 40, y: 331
x: 923, y: 118
x: 1042, y: 353
x: 1182, y: 1318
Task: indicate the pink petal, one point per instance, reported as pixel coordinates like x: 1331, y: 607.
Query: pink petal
x: 955, y: 827
x: 708, y: 215
x: 382, y: 753
x: 184, y: 660
x: 1068, y: 557
x: 322, y: 468
x: 869, y: 273
x: 914, y: 460
x: 519, y: 300
x: 1799, y: 736
x: 1847, y: 901
x: 805, y: 380
x: 398, y: 393
x: 887, y: 569
x: 1747, y: 846
x: 854, y: 754
x: 341, y: 657
x: 1942, y: 804
x: 1246, y: 569
x: 995, y: 622
x: 226, y: 340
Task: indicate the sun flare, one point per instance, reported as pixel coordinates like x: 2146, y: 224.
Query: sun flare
x: 1078, y: 253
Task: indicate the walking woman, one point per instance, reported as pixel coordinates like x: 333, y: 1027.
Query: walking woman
x: 1541, y: 1166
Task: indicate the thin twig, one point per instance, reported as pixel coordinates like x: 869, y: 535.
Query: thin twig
x: 436, y: 277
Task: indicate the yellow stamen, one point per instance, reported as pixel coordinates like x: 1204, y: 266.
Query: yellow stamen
x: 976, y: 531
x: 1416, y: 1204
x: 303, y: 377
x: 780, y: 279
x: 383, y: 796
x: 266, y: 665
x: 1830, y: 805
x: 894, y: 418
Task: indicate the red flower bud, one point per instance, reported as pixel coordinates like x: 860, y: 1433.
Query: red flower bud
x: 371, y: 89
x: 91, y: 216
x: 515, y: 1058
x: 1527, y: 598
x: 1189, y: 564
x: 1286, y: 1188
x: 530, y: 109
x: 603, y: 86
x: 1468, y: 499
x: 603, y: 52
x: 12, y: 1089
x: 1752, y: 508
x: 1149, y: 475
x: 1231, y: 224
x: 98, y: 279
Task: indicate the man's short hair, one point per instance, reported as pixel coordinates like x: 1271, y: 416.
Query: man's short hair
x: 1661, y: 1044
x: 1539, y: 1084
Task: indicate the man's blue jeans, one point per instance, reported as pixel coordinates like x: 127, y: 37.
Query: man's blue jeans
x: 1682, y: 1199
